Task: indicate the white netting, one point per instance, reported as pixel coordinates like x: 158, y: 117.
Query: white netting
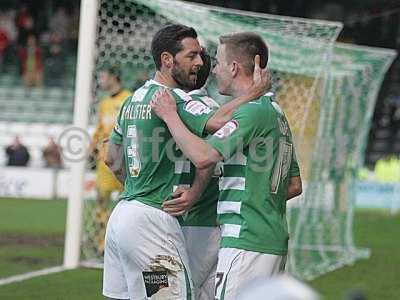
x: 322, y: 237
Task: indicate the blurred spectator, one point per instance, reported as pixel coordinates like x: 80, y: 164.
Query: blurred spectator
x: 52, y: 155
x: 60, y: 22
x: 25, y: 25
x: 7, y: 35
x: 31, y: 62
x: 7, y: 24
x: 55, y: 62
x: 17, y: 154
x: 387, y: 169
x: 4, y: 44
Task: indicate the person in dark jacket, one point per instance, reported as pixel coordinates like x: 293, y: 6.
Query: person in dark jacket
x: 17, y: 154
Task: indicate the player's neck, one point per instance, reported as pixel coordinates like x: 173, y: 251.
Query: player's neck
x: 165, y: 79
x: 241, y: 86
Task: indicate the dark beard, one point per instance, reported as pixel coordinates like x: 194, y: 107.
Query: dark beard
x: 181, y: 78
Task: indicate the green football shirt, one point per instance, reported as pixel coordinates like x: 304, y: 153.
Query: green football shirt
x: 259, y: 159
x: 149, y: 149
x: 204, y: 212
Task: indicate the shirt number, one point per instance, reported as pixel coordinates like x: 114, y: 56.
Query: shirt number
x: 282, y: 165
x: 133, y: 151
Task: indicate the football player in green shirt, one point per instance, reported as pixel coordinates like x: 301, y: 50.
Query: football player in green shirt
x: 145, y: 252
x: 202, y: 235
x: 260, y: 171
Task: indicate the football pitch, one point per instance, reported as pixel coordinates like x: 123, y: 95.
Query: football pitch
x: 32, y: 237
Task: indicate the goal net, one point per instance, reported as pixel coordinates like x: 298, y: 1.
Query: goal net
x: 312, y: 92
x: 322, y: 237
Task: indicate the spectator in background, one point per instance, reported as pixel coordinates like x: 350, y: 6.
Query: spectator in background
x: 31, y: 63
x: 387, y: 169
x: 17, y: 154
x: 55, y: 61
x: 7, y: 36
x: 4, y: 44
x: 25, y: 25
x: 60, y: 23
x: 52, y: 155
x: 7, y: 23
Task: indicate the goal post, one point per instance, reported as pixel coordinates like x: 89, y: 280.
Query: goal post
x: 82, y: 100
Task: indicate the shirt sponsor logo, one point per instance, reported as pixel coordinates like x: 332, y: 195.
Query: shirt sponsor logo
x: 227, y: 129
x: 196, y: 108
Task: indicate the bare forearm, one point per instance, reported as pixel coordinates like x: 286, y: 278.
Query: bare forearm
x: 120, y: 174
x: 294, y: 188
x: 115, y: 161
x: 198, y: 151
x: 201, y: 180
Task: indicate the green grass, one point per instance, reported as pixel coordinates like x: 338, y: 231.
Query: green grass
x: 81, y: 284
x: 32, y: 216
x: 377, y: 277
x: 31, y: 235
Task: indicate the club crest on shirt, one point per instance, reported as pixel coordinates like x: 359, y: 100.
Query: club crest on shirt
x: 227, y: 129
x: 196, y: 108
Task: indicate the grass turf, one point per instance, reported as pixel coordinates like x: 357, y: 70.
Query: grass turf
x: 377, y: 277
x: 31, y: 235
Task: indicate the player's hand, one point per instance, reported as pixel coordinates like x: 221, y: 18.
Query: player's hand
x: 163, y: 104
x: 261, y: 78
x: 182, y: 201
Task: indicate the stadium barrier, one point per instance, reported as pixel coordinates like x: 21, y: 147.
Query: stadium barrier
x: 40, y: 183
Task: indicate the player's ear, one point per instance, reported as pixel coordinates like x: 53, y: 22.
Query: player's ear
x: 167, y: 59
x: 234, y: 69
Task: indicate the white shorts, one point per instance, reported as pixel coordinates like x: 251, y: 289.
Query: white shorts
x: 145, y: 255
x: 202, y: 245
x: 238, y: 268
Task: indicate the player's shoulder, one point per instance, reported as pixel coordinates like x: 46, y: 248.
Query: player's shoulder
x: 182, y: 95
x: 270, y: 105
x: 257, y: 110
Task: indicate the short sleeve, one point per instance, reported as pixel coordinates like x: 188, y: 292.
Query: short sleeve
x: 294, y: 170
x: 117, y: 132
x: 193, y: 113
x: 235, y: 134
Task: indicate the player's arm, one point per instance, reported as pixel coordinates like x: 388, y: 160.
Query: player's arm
x: 183, y: 200
x: 261, y: 83
x: 196, y: 149
x: 294, y: 188
x: 203, y: 154
x: 115, y: 161
x: 115, y: 152
x: 295, y: 184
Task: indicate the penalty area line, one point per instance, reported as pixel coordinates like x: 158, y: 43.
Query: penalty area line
x: 29, y: 275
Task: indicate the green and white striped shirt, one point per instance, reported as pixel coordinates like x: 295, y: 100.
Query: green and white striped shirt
x: 259, y: 159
